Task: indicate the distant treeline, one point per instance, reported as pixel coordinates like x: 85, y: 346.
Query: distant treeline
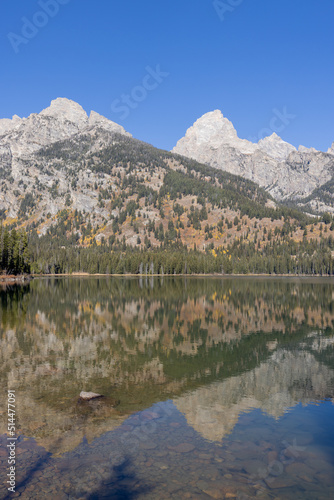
x: 14, y: 253
x: 285, y: 257
x: 45, y: 255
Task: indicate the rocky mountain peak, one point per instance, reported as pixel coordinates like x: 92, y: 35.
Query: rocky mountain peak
x: 66, y: 110
x: 331, y: 149
x: 101, y: 121
x: 272, y: 163
x: 211, y: 125
x: 7, y: 124
x: 212, y: 131
x: 303, y: 149
x: 61, y: 120
x: 275, y: 147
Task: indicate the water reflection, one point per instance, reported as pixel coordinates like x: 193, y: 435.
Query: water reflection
x: 277, y: 385
x: 213, y: 350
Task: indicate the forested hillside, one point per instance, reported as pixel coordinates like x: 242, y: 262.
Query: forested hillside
x: 102, y: 202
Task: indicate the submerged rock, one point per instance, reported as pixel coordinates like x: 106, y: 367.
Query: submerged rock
x: 87, y: 396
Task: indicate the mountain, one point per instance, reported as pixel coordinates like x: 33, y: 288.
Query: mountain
x: 275, y: 147
x: 61, y: 120
x: 287, y: 174
x: 61, y: 159
x: 77, y: 182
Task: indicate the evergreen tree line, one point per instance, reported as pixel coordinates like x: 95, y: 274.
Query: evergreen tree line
x: 45, y: 255
x: 14, y: 253
x: 283, y: 257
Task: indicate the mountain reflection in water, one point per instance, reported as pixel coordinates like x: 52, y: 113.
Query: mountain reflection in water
x: 213, y: 348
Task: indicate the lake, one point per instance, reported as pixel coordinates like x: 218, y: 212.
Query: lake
x: 213, y: 388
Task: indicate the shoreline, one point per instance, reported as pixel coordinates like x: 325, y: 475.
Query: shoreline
x: 129, y: 275
x: 15, y: 279
x: 26, y: 278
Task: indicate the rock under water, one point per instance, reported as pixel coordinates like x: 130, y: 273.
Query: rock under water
x: 87, y: 396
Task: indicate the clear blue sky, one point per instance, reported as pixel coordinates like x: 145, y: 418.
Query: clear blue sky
x: 257, y: 56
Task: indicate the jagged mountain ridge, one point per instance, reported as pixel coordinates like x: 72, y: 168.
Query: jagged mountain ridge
x: 83, y: 179
x: 287, y: 174
x: 61, y: 159
x: 21, y: 139
x: 61, y: 120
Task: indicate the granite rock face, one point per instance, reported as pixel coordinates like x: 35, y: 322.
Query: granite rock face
x: 62, y: 140
x: 61, y: 120
x: 272, y: 163
x: 23, y: 142
x: 303, y: 149
x: 6, y: 124
x: 96, y: 120
x: 275, y: 147
x: 215, y: 130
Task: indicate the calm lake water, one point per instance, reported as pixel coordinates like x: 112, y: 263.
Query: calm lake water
x: 214, y: 388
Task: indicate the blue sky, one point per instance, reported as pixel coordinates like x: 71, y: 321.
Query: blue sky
x: 256, y: 60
